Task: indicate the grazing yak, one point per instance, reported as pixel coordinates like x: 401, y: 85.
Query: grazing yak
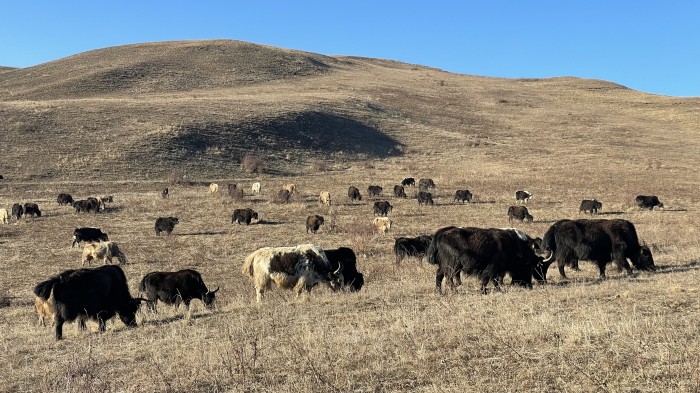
x: 98, y: 202
x: 344, y: 258
x: 487, y: 253
x: 324, y: 198
x: 98, y: 294
x: 425, y: 184
x: 165, y: 224
x: 590, y: 206
x: 165, y: 193
x: 425, y: 198
x: 291, y: 187
x: 283, y: 196
x: 354, y: 194
x: 648, y: 202
x: 409, y: 181
x: 599, y: 241
x: 4, y: 217
x: 255, y: 188
x: 522, y: 196
x: 44, y: 309
x: 213, y: 187
x: 399, y: 191
x: 462, y: 195
x: 411, y: 247
x: 313, y: 223
x: 103, y: 251
x: 17, y: 211
x: 31, y: 210
x: 88, y: 234
x: 381, y: 224
x: 374, y: 190
x: 177, y: 287
x: 299, y: 267
x: 519, y: 213
x: 86, y: 205
x: 64, y: 199
x: 244, y: 215
x: 382, y: 208
x: 234, y: 191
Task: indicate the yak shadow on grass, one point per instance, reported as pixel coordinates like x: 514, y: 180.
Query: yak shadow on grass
x: 692, y: 265
x: 174, y: 318
x: 205, y: 233
x: 613, y: 213
x: 266, y: 222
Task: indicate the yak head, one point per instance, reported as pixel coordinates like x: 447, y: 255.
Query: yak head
x: 645, y: 260
x: 336, y: 280
x: 128, y: 313
x: 209, y: 298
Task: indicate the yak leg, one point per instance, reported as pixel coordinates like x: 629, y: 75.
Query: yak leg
x: 484, y: 284
x: 619, y: 257
x: 59, y: 326
x: 560, y: 265
x: 81, y: 323
x: 601, y: 269
x: 259, y: 293
x: 102, y: 323
x: 438, y: 281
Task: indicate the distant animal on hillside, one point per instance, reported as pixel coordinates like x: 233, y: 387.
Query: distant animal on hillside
x: 374, y: 190
x: 425, y: 198
x: 382, y: 208
x: 411, y: 247
x: 590, y: 206
x: 213, y: 187
x: 324, y: 198
x: 519, y: 213
x: 88, y: 234
x: 166, y: 193
x: 354, y: 194
x: 107, y: 198
x: 64, y: 199
x: 17, y: 211
x: 174, y: 288
x: 409, y: 181
x: 103, y: 251
x: 600, y: 241
x: 344, y: 258
x: 4, y: 217
x: 462, y: 196
x: 98, y: 294
x: 86, y: 205
x: 313, y: 223
x: 283, y: 196
x: 255, y: 188
x: 299, y: 268
x: 291, y: 187
x: 165, y: 224
x: 97, y: 202
x: 381, y: 224
x: 522, y: 196
x: 648, y: 202
x: 246, y: 216
x: 425, y: 184
x: 31, y: 210
x: 399, y: 191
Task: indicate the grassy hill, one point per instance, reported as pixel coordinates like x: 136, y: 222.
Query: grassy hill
x: 198, y: 106
x: 118, y: 121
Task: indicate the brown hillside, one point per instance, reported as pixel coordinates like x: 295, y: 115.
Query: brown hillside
x: 141, y: 111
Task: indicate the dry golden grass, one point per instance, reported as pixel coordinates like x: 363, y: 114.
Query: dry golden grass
x: 562, y: 139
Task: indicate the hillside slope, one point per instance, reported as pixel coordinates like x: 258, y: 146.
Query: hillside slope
x: 141, y: 111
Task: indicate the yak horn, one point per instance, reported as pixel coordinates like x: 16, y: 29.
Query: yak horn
x: 340, y: 267
x: 142, y: 299
x: 216, y: 290
x: 550, y: 258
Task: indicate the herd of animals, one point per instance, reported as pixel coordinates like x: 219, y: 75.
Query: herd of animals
x: 490, y: 254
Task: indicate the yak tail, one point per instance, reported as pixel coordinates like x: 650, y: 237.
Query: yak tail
x: 44, y: 289
x: 248, y: 264
x: 142, y: 284
x: 433, y: 252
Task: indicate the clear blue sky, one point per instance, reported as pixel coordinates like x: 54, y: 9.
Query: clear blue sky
x: 652, y: 46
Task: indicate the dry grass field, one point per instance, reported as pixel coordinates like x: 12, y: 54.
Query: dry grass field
x: 120, y: 121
